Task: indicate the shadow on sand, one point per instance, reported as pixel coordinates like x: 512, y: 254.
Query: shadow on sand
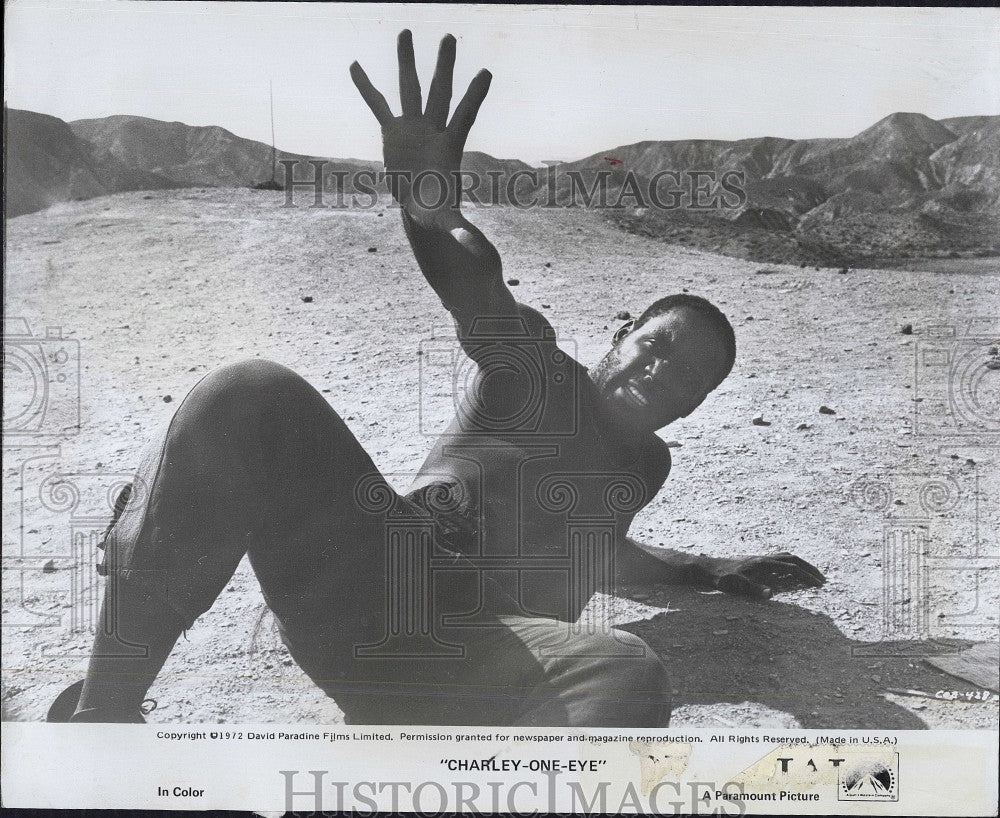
x: 720, y: 648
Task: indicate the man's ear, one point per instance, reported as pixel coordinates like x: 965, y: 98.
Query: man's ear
x: 624, y: 330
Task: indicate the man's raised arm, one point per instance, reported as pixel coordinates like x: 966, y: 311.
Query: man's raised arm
x: 422, y: 151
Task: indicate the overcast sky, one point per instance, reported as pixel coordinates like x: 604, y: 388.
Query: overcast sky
x: 567, y: 81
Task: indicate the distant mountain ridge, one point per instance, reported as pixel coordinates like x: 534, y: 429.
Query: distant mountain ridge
x: 905, y: 183
x: 192, y: 155
x: 908, y: 185
x: 46, y: 163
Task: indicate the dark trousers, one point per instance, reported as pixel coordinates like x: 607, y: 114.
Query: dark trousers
x: 256, y: 462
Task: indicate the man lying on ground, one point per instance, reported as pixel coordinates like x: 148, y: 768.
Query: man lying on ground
x: 457, y: 603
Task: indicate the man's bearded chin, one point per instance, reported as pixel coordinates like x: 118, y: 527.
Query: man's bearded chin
x: 606, y: 374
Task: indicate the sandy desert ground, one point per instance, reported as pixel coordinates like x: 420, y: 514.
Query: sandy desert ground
x: 159, y: 288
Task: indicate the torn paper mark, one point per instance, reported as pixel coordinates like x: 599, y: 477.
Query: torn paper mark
x: 658, y: 761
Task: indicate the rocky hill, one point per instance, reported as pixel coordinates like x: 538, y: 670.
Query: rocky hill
x: 907, y: 186
x: 51, y: 161
x: 46, y: 163
x: 194, y: 156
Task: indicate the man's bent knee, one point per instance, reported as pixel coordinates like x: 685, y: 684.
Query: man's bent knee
x: 248, y: 397
x: 643, y: 680
x: 255, y: 379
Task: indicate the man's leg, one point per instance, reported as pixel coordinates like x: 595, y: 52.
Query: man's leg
x: 518, y: 671
x: 587, y: 682
x: 254, y: 460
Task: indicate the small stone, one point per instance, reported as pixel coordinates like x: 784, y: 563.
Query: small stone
x: 674, y: 444
x: 994, y: 351
x: 970, y: 462
x: 993, y: 363
x: 49, y: 567
x: 372, y: 249
x: 546, y: 306
x: 623, y: 315
x: 748, y: 318
x: 899, y: 502
x: 513, y: 282
x: 826, y: 410
x: 548, y: 264
x: 802, y: 427
x: 167, y: 398
x: 907, y: 329
x: 758, y: 420
x: 307, y: 299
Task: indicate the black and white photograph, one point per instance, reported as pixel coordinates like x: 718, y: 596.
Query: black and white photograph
x: 377, y: 370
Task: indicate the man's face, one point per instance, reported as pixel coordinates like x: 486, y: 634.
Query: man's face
x: 662, y: 370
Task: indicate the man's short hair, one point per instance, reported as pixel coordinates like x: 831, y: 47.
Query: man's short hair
x: 706, y: 308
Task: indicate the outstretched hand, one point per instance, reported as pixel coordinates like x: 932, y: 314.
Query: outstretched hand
x: 762, y: 577
x: 423, y: 139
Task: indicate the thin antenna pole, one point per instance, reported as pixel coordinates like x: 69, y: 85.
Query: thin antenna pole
x: 274, y: 162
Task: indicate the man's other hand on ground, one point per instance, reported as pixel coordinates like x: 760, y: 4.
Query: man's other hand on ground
x: 762, y: 577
